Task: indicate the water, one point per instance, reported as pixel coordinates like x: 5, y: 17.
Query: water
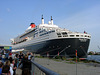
x: 94, y: 57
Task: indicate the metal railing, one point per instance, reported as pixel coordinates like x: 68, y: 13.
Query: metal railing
x: 38, y: 69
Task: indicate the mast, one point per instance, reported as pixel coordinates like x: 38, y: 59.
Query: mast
x: 42, y: 19
x: 51, y: 20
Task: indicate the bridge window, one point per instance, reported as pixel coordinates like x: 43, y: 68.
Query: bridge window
x: 64, y: 34
x: 59, y: 34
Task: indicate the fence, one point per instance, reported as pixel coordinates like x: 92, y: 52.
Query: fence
x: 37, y: 69
x: 65, y: 67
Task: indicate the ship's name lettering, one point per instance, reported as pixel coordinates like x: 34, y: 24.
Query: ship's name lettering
x: 83, y: 39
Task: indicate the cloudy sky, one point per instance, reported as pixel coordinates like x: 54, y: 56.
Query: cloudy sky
x: 75, y: 15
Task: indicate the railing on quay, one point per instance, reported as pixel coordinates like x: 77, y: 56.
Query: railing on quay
x: 38, y: 69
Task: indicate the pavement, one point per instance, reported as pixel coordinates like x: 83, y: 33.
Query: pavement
x: 18, y: 72
x: 69, y: 67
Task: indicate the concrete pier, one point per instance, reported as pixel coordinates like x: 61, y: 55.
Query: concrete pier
x: 69, y: 68
x: 18, y: 72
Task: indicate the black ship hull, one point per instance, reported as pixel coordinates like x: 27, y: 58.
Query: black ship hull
x: 63, y: 47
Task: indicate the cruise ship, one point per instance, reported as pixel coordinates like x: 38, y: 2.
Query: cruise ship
x: 49, y: 39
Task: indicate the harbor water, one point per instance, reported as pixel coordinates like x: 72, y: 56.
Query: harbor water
x: 94, y: 57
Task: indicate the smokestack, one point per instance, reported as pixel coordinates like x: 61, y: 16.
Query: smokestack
x: 51, y: 20
x: 32, y: 25
x: 42, y: 20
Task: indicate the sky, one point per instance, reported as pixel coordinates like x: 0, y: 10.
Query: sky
x: 74, y: 15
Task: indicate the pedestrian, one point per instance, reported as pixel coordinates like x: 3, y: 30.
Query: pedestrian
x: 6, y: 55
x: 3, y: 57
x: 11, y: 69
x: 26, y: 71
x: 17, y: 60
x: 21, y: 55
x: 10, y: 59
x: 13, y: 55
x: 10, y: 54
x: 14, y: 67
x: 26, y: 64
x: 29, y: 56
x: 6, y: 70
x: 1, y: 66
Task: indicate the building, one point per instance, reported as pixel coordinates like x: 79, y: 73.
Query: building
x: 6, y: 47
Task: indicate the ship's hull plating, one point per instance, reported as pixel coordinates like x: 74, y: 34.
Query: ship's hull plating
x: 65, y: 47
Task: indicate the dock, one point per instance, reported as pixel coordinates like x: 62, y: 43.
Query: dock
x: 18, y: 72
x: 68, y: 67
x: 65, y: 67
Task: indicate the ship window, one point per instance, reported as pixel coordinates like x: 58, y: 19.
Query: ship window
x: 40, y: 31
x: 41, y: 34
x: 44, y: 30
x: 85, y: 35
x: 44, y: 33
x: 89, y: 36
x: 64, y: 33
x: 71, y: 35
x: 49, y: 32
x: 27, y: 34
x: 81, y: 35
x: 53, y: 30
x: 58, y: 33
x: 77, y: 35
x: 36, y: 33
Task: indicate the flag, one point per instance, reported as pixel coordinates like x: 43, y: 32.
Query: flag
x: 85, y: 32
